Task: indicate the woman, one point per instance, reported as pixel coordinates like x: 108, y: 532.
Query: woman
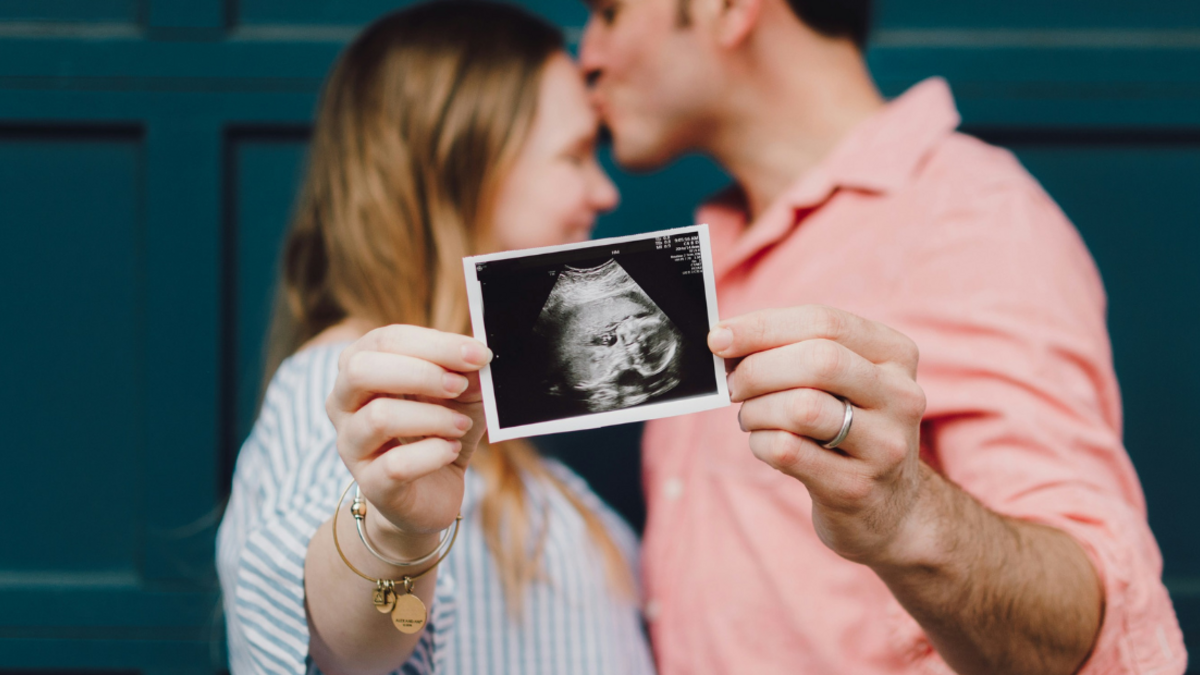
x: 445, y: 130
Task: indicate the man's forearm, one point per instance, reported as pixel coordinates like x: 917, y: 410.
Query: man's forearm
x: 994, y: 594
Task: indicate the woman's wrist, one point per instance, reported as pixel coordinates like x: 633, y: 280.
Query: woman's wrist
x: 396, y: 543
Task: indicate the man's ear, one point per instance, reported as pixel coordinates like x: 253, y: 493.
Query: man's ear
x: 736, y: 21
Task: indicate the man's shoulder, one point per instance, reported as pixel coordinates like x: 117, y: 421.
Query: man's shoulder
x: 966, y: 163
x: 966, y: 180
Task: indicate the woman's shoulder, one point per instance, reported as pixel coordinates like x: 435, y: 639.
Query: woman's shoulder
x: 303, y: 380
x: 310, y: 371
x: 292, y: 415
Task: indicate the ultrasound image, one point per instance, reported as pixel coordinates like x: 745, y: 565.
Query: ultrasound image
x: 597, y: 329
x: 609, y: 344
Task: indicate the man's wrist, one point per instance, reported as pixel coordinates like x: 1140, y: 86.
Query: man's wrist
x: 922, y: 540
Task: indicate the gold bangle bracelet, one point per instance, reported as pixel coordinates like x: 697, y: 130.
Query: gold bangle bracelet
x: 358, y: 509
x: 407, y: 611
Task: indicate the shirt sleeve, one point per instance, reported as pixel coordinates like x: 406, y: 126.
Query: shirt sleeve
x: 272, y: 515
x: 1024, y: 411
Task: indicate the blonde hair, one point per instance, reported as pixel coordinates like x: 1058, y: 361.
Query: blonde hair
x: 418, y: 119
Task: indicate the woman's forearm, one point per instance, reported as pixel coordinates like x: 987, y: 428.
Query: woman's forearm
x: 348, y: 635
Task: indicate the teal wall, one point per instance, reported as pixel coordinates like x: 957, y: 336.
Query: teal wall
x: 149, y: 152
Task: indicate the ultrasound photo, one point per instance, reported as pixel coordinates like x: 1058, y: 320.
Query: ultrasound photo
x: 599, y: 333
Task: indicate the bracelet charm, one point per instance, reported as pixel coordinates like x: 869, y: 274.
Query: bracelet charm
x: 385, y: 595
x: 408, y: 613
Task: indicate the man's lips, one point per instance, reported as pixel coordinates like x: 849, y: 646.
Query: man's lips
x: 600, y: 105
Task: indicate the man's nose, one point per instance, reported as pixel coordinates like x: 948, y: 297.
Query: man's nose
x: 589, y: 53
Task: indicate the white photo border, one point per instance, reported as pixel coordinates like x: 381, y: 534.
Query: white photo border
x: 640, y: 413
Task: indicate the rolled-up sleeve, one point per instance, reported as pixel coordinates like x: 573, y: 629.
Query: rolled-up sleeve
x: 266, y: 601
x: 287, y: 480
x: 1024, y: 410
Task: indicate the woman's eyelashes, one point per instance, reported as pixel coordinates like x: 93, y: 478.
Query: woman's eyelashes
x: 581, y: 152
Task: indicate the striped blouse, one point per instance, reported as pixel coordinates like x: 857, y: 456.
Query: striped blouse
x: 287, y: 480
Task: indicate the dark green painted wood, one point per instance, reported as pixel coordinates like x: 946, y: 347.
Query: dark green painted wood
x: 149, y: 150
x: 266, y: 169
x: 1040, y: 15
x: 335, y: 12
x: 80, y: 187
x: 70, y: 10
x: 182, y: 346
x: 187, y: 20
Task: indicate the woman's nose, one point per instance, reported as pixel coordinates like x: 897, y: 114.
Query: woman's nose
x: 604, y: 195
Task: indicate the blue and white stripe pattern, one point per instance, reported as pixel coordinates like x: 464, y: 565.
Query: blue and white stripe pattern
x: 287, y: 480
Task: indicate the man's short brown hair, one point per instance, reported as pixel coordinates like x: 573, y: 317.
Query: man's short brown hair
x: 831, y: 18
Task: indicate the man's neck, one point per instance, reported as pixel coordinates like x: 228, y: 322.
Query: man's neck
x: 785, y: 118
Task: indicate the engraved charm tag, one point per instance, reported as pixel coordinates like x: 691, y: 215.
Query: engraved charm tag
x: 409, y: 614
x: 384, y: 599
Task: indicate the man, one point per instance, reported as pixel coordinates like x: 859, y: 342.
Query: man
x: 985, y: 521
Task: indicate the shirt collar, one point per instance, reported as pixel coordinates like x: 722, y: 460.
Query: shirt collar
x: 885, y: 150
x: 878, y: 156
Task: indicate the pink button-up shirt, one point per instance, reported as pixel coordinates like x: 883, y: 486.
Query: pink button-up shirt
x: 953, y: 243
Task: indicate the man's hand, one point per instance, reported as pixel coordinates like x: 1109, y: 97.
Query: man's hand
x: 993, y: 594
x: 796, y: 367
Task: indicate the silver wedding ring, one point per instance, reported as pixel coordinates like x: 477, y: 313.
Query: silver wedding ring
x: 847, y: 420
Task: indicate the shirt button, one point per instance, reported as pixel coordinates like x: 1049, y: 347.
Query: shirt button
x: 673, y: 489
x: 652, y: 610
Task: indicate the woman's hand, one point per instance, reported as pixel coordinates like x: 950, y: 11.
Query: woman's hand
x: 409, y: 414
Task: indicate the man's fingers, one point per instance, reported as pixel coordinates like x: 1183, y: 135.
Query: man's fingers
x: 818, y: 416
x: 385, y: 419
x: 798, y: 456
x: 448, y: 350
x: 836, y: 481
x: 771, y: 328
x: 807, y: 412
x: 814, y: 364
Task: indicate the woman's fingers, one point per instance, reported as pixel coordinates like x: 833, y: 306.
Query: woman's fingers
x: 385, y: 419
x: 366, y: 374
x: 448, y: 350
x: 405, y: 360
x: 402, y: 465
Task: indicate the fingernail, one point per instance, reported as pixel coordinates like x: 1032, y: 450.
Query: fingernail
x: 454, y: 383
x: 476, y: 354
x: 456, y: 447
x: 463, y: 422
x: 720, y: 339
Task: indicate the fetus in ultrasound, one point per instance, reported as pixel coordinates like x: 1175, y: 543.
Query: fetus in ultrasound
x: 609, y: 346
